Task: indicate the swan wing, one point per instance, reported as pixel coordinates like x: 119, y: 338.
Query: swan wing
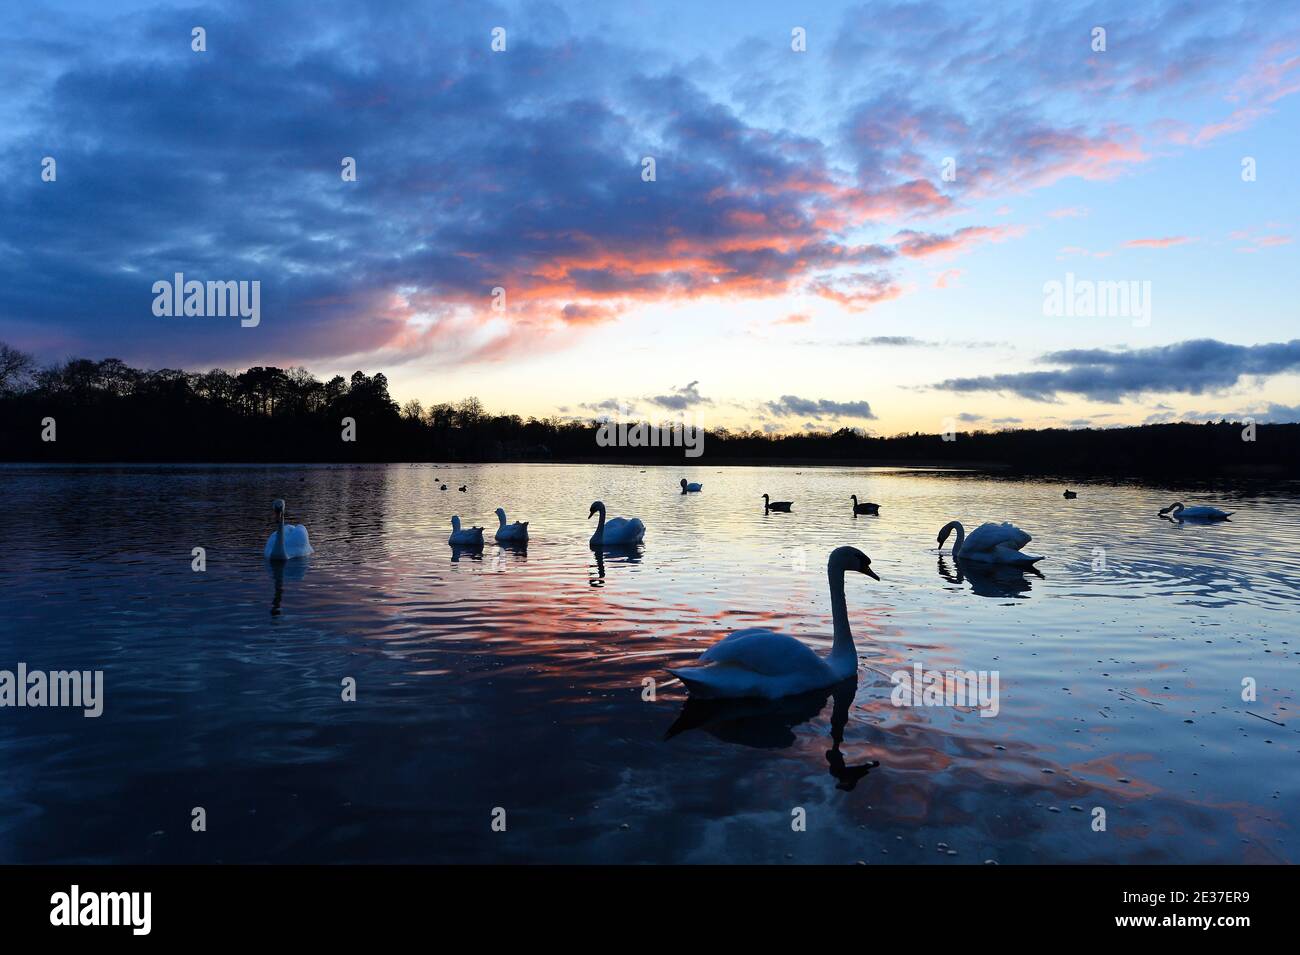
x: 624, y: 530
x: 989, y: 537
x: 762, y: 651
x: 296, y: 542
x: 1203, y: 512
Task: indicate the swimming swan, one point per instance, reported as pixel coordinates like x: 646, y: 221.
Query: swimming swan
x: 286, y: 541
x: 691, y: 487
x: 515, y: 533
x: 619, y: 532
x: 776, y: 505
x: 989, y: 543
x: 864, y: 507
x: 1070, y: 495
x: 469, y: 537
x: 1177, y: 512
x: 761, y: 663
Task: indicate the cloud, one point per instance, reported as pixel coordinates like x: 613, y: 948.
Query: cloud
x: 1190, y: 367
x: 919, y: 244
x: 792, y: 406
x: 1163, y: 243
x: 681, y: 399
x: 794, y: 319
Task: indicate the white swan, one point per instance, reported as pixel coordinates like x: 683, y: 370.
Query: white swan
x: 1177, y: 512
x: 469, y: 537
x: 691, y: 487
x: 989, y: 543
x: 515, y: 533
x: 761, y: 663
x: 288, y: 540
x: 618, y: 532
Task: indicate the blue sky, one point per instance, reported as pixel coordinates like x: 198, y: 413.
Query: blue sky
x: 800, y: 261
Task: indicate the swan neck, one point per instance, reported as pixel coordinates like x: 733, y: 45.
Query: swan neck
x: 961, y: 539
x: 277, y: 549
x: 600, y: 524
x: 842, y: 647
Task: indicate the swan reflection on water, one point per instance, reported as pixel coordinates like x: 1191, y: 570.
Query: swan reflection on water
x: 617, y: 555
x: 991, y: 580
x: 281, y: 570
x: 472, y: 551
x: 769, y: 724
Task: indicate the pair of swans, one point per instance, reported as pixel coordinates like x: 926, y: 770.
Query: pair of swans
x: 516, y: 533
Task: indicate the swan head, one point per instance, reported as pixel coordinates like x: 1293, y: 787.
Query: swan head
x: 501, y: 513
x: 945, y: 531
x: 1176, y: 506
x: 764, y: 498
x: 850, y: 558
x: 683, y: 482
x: 597, y: 507
x: 455, y: 523
x: 278, y: 506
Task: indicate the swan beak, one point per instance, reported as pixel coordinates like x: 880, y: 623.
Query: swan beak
x: 870, y: 573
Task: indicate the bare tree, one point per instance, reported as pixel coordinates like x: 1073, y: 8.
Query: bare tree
x: 15, y: 368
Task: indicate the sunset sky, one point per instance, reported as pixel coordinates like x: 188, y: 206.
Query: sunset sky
x: 800, y: 260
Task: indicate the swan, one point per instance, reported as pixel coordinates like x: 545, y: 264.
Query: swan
x: 619, y: 532
x: 761, y: 663
x: 989, y: 543
x: 1070, y: 495
x: 776, y: 505
x: 691, y: 487
x: 1177, y: 512
x: 469, y: 537
x: 464, y: 488
x: 515, y: 533
x: 864, y: 508
x: 286, y: 541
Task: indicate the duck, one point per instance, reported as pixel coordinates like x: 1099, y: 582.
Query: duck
x: 467, y: 537
x: 690, y: 488
x: 1176, y: 512
x: 443, y: 488
x: 618, y: 532
x: 464, y: 487
x: 287, y: 541
x: 1070, y: 495
x: 761, y: 663
x: 989, y: 544
x: 769, y: 505
x: 515, y: 533
x: 865, y: 507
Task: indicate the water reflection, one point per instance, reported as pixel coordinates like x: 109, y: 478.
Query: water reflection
x: 282, y: 570
x: 991, y: 580
x: 770, y: 724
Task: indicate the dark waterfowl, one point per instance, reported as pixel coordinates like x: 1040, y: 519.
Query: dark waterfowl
x: 1070, y: 495
x: 1176, y: 512
x: 770, y: 505
x: 865, y: 507
x: 691, y: 487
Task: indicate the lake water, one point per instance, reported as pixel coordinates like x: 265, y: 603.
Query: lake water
x: 516, y: 680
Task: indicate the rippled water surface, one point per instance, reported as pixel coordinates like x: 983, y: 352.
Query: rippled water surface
x: 518, y: 679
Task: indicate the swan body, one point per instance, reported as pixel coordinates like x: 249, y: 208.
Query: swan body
x: 1177, y: 512
x: 762, y: 663
x: 865, y: 507
x: 769, y: 505
x: 466, y: 537
x: 619, y: 532
x: 691, y: 487
x: 990, y: 544
x: 515, y: 533
x: 287, y: 541
x: 1070, y: 495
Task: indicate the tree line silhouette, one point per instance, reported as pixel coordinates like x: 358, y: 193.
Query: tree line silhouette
x: 107, y: 411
